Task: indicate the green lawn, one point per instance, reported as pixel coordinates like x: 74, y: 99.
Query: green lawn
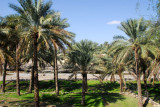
x: 99, y: 95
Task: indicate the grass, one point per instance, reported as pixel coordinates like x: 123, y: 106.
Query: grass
x: 99, y: 95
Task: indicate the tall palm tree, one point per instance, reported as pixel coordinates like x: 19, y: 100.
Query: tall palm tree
x: 14, y: 29
x: 81, y: 56
x: 34, y: 13
x: 6, y: 50
x: 138, y: 43
x: 60, y: 38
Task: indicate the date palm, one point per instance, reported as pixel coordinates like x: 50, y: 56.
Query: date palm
x: 119, y: 61
x: 137, y: 43
x: 14, y: 30
x: 60, y: 38
x: 34, y: 13
x: 81, y: 56
x: 6, y: 50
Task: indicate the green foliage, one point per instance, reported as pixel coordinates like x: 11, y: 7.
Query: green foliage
x: 81, y: 55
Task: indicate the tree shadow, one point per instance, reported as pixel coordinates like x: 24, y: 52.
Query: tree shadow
x: 12, y: 86
x: 103, y: 98
x: 64, y: 85
x: 50, y: 99
x: 97, y: 95
x: 22, y: 103
x: 47, y: 85
x: 69, y: 85
x: 104, y: 87
x: 146, y: 102
x: 92, y: 100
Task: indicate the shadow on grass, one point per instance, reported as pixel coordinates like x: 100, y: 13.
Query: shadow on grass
x: 97, y: 96
x: 104, y: 88
x: 47, y: 86
x: 146, y: 102
x: 22, y: 103
x: 92, y: 100
x: 11, y: 85
x: 69, y: 85
x: 64, y: 85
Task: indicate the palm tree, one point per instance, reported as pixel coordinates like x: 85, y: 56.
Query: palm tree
x: 60, y: 38
x: 6, y: 50
x: 34, y: 13
x: 120, y: 58
x: 138, y: 44
x: 103, y: 62
x: 13, y: 26
x: 6, y: 58
x: 81, y: 56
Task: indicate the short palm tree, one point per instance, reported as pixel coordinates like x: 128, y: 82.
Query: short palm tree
x: 118, y: 64
x: 81, y: 56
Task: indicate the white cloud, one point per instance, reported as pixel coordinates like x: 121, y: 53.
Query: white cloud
x: 114, y: 22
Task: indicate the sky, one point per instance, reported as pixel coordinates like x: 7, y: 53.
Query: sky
x: 95, y: 20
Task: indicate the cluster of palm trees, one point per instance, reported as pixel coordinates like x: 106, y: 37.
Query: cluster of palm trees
x: 138, y: 53
x: 28, y: 35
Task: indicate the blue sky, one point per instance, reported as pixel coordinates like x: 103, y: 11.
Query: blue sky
x: 96, y: 20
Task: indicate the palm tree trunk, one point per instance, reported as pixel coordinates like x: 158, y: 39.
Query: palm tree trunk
x: 56, y: 71
x: 124, y: 83
x: 84, y: 76
x: 17, y: 71
x: 75, y: 75
x: 140, y: 104
x: 153, y: 80
x: 112, y: 79
x: 145, y: 82
x: 36, y: 88
x: 4, y: 76
x: 31, y: 84
x: 1, y: 73
x: 121, y: 80
x: 86, y: 84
